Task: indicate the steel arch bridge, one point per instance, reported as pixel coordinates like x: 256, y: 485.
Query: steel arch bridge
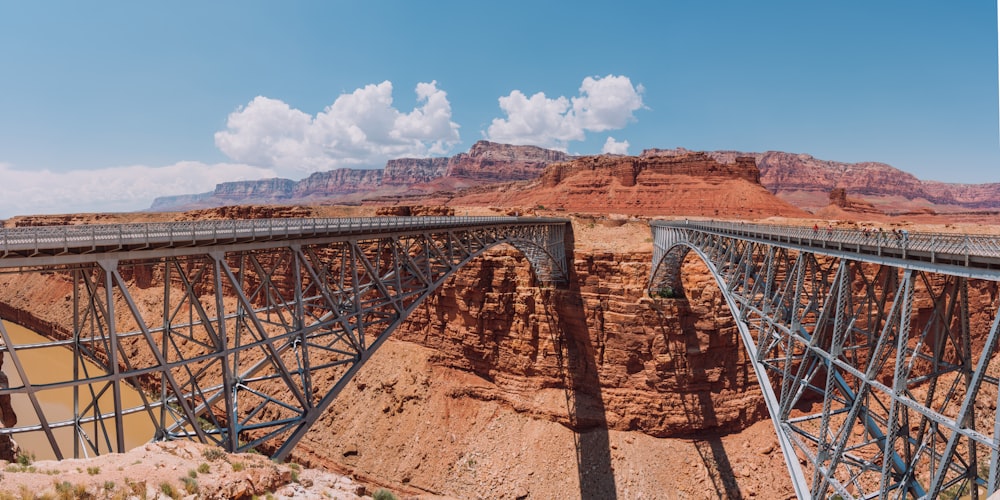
x: 245, y: 321
x: 875, y: 351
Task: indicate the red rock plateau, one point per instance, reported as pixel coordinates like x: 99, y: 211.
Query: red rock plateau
x: 491, y: 171
x: 805, y: 182
x: 499, y: 386
x: 690, y: 184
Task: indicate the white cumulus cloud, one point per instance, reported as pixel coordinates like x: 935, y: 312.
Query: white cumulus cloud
x: 613, y: 147
x: 606, y: 103
x: 114, y: 189
x: 359, y: 129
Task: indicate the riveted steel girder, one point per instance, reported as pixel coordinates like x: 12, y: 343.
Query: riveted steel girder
x: 877, y: 379
x: 237, y: 333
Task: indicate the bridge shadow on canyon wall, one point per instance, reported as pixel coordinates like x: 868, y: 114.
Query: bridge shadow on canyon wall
x: 584, y: 399
x: 699, y: 406
x: 700, y: 411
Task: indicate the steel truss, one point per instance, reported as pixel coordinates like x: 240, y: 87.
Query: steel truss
x: 240, y: 333
x: 878, y: 383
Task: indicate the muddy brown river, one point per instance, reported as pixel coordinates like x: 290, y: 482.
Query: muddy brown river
x: 55, y: 364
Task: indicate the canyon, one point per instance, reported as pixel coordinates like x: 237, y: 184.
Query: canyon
x: 499, y: 386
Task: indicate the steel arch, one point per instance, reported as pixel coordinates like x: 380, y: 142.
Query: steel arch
x: 869, y: 364
x: 259, y: 324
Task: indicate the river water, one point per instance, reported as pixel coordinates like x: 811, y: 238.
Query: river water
x: 55, y: 364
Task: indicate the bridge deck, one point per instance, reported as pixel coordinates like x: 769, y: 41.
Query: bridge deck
x: 911, y: 249
x: 41, y: 244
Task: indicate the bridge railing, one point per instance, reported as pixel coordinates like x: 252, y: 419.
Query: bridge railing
x: 900, y: 243
x: 46, y: 238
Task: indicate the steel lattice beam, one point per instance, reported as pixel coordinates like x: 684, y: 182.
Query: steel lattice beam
x: 873, y: 375
x: 255, y: 327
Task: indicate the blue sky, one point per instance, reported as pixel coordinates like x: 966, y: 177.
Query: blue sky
x: 105, y: 105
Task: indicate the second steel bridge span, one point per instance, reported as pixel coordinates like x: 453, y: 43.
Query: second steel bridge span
x: 875, y: 351
x: 238, y: 333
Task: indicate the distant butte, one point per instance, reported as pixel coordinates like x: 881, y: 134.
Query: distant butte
x: 485, y: 163
x: 692, y: 184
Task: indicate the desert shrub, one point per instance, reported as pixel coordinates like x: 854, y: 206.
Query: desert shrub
x: 190, y: 485
x: 68, y: 491
x: 383, y: 494
x: 213, y: 454
x: 25, y: 459
x: 169, y: 490
x: 138, y: 488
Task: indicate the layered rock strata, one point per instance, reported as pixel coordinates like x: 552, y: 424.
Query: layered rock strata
x: 503, y: 371
x: 337, y: 182
x: 805, y: 180
x: 692, y: 184
x: 485, y: 162
x: 656, y: 364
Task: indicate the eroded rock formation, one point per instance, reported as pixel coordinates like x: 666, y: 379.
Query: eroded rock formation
x: 664, y: 367
x: 260, y: 191
x: 485, y: 162
x: 805, y: 180
x: 691, y: 183
x: 839, y: 199
x: 414, y: 211
x: 337, y: 182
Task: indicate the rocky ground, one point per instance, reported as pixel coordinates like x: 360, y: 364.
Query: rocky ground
x: 173, y: 470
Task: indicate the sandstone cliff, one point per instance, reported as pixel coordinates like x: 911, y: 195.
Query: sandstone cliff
x: 162, y: 203
x: 337, y: 182
x: 486, y: 162
x: 839, y: 199
x: 690, y: 184
x: 483, y: 174
x: 508, y: 380
x: 806, y: 181
x: 489, y: 161
x: 260, y: 191
x: 407, y: 171
x: 230, y: 193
